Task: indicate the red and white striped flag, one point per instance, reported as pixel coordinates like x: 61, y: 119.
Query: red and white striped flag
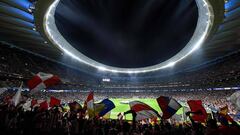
x: 42, y: 80
x: 143, y: 110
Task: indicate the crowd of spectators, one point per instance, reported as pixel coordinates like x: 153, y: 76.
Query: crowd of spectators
x: 224, y: 73
x: 214, y: 99
x: 57, y: 121
x: 17, y: 66
x: 210, y: 98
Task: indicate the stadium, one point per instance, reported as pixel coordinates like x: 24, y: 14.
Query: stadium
x: 119, y: 67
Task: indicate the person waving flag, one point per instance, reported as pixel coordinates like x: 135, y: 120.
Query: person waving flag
x: 197, y: 110
x: 105, y: 106
x: 141, y: 111
x: 168, y: 105
x: 89, y: 103
x: 42, y: 81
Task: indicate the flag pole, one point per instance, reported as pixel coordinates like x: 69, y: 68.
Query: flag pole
x: 21, y: 84
x: 93, y: 106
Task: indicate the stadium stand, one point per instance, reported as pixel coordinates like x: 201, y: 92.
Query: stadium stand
x: 19, y: 66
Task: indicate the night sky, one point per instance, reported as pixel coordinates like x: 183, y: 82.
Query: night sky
x: 127, y: 33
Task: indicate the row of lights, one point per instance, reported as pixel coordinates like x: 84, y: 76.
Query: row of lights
x: 31, y: 10
x: 49, y: 13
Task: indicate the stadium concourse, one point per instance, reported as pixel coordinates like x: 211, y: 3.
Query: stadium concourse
x: 119, y: 67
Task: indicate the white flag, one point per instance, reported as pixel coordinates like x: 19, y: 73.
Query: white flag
x: 27, y: 105
x: 17, y: 96
x: 235, y: 100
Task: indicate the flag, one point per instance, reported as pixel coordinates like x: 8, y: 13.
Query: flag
x: 223, y: 110
x: 169, y: 106
x: 142, y: 110
x: 199, y: 113
x: 74, y: 106
x: 98, y: 108
x: 16, y: 98
x: 90, y: 105
x: 27, y: 105
x: 42, y: 80
x: 104, y: 107
x: 107, y: 115
x: 34, y: 102
x: 54, y: 102
x: 235, y: 100
x: 43, y: 106
x: 223, y: 114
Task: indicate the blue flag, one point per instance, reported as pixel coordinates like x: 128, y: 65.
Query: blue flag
x: 108, y: 105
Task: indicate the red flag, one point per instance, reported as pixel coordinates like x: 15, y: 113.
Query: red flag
x: 54, y: 102
x: 90, y: 105
x: 43, y: 106
x: 42, y: 80
x: 90, y: 97
x: 33, y: 102
x: 199, y: 113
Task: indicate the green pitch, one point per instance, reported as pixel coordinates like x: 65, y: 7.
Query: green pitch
x: 123, y: 107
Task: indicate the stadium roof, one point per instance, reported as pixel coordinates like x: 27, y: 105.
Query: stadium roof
x: 24, y: 29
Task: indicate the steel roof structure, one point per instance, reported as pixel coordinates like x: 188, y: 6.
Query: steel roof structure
x: 22, y: 25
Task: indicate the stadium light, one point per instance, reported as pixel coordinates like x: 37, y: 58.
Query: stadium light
x: 204, y: 26
x: 171, y: 64
x: 106, y: 80
x: 102, y: 68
